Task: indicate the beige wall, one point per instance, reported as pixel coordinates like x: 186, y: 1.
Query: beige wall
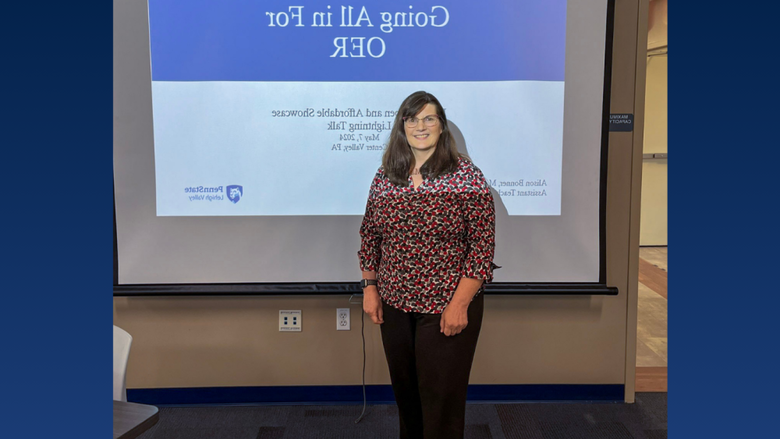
x: 653, y: 228
x: 235, y: 341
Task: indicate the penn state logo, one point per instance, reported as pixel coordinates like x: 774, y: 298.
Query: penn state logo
x: 234, y: 193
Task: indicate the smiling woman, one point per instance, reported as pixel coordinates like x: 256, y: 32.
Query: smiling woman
x: 423, y: 131
x: 427, y: 245
x: 420, y: 140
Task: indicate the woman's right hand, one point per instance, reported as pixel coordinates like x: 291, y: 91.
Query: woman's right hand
x: 372, y: 304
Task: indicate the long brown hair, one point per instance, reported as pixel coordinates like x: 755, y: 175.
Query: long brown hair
x: 398, y: 160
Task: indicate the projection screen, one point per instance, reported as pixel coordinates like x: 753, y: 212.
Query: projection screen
x: 246, y: 134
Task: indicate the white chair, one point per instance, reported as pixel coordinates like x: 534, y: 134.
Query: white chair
x: 122, y: 342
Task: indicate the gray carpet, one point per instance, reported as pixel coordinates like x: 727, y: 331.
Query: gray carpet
x: 646, y: 419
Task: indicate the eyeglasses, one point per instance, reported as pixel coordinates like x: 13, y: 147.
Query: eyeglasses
x: 430, y: 121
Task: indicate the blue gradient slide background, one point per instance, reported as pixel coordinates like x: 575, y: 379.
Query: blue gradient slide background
x: 231, y: 40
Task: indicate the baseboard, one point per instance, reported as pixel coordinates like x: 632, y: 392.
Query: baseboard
x: 375, y: 394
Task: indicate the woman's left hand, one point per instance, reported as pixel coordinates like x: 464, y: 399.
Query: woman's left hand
x: 454, y: 319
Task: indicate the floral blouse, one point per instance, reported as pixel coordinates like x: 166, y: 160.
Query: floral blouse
x: 422, y: 241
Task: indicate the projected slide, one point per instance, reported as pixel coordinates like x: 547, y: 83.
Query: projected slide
x: 274, y: 108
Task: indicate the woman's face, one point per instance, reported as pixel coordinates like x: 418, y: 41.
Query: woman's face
x: 423, y: 137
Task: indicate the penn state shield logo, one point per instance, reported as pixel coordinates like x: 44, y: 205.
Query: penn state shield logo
x: 234, y: 193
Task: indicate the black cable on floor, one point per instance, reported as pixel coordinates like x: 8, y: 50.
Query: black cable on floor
x: 363, y: 336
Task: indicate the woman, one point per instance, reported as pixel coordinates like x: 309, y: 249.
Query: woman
x: 427, y: 243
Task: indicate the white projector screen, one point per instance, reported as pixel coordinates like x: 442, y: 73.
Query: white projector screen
x: 246, y: 134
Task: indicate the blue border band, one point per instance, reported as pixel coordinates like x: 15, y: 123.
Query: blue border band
x: 377, y: 394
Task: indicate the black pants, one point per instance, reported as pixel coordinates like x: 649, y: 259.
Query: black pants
x: 430, y: 371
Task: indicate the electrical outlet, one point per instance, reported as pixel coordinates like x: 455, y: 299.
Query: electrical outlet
x: 342, y: 319
x: 289, y: 320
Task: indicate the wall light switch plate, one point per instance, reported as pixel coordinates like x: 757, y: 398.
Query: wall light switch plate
x: 342, y: 319
x: 289, y: 320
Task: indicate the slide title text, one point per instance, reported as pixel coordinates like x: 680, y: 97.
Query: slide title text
x: 350, y: 16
